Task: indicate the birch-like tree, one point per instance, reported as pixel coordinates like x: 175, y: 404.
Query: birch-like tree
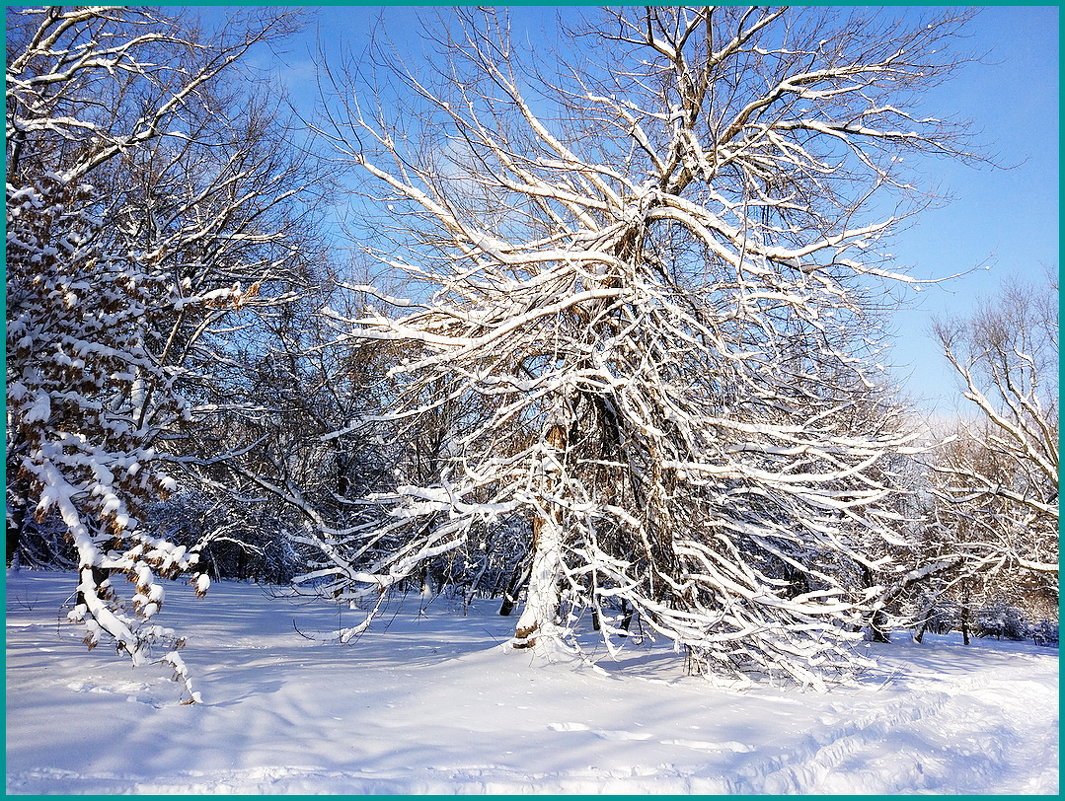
x: 653, y: 277
x: 148, y: 221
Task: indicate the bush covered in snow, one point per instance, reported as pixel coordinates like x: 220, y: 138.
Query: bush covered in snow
x: 1044, y: 632
x: 1002, y: 621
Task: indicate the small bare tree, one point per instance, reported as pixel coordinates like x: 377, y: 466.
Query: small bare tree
x: 998, y: 482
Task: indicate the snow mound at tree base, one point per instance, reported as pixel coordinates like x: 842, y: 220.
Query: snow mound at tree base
x: 428, y: 702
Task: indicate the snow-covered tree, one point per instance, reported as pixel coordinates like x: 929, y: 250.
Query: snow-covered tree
x: 290, y: 465
x: 1000, y: 479
x: 994, y: 481
x: 987, y: 501
x: 146, y: 221
x: 653, y: 279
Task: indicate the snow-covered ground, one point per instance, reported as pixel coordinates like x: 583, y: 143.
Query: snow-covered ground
x: 430, y: 703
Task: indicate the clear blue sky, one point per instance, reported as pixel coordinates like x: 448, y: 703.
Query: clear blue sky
x: 1005, y: 218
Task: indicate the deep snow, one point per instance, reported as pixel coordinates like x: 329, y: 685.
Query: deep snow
x: 428, y: 702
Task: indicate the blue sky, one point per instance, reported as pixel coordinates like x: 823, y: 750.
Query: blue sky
x: 1007, y: 218
x: 1003, y: 218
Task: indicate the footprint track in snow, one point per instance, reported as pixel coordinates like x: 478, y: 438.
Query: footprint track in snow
x: 135, y: 693
x: 702, y: 745
x: 731, y: 746
x: 568, y: 727
x: 602, y: 734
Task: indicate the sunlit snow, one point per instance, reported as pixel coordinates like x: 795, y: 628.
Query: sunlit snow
x: 430, y: 703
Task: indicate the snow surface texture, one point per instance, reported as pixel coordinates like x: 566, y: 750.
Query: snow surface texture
x: 429, y: 702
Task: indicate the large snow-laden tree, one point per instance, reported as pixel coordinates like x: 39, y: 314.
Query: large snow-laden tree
x: 146, y: 207
x: 658, y: 271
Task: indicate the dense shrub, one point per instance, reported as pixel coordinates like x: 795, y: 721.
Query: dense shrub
x: 1002, y: 621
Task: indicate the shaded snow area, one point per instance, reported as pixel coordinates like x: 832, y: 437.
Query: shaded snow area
x: 429, y: 702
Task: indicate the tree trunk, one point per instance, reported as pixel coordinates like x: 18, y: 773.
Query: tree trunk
x: 626, y: 620
x: 920, y: 633
x: 878, y: 621
x: 542, y: 598
x: 14, y: 532
x: 513, y: 588
x: 878, y: 627
x: 965, y: 622
x: 926, y: 616
x: 424, y: 587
